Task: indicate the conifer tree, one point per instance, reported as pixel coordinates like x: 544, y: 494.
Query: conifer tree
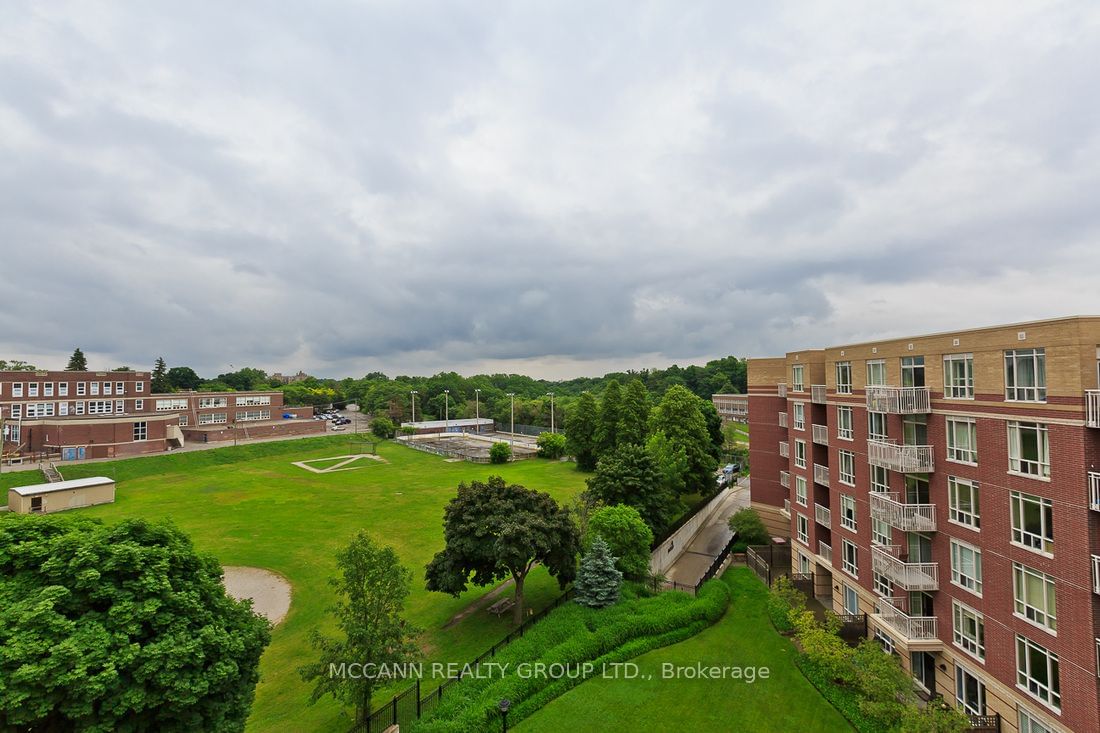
x: 598, y: 580
x: 77, y: 362
x: 633, y: 428
x: 580, y: 432
x: 607, y: 430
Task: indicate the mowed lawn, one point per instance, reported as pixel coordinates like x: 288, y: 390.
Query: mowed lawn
x: 744, y: 637
x: 267, y: 513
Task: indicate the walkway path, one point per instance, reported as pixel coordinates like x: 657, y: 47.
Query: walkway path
x: 710, y: 540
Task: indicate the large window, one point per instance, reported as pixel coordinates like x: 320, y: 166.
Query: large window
x: 798, y: 383
x: 969, y: 630
x: 912, y: 371
x: 208, y: 402
x: 253, y: 415
x: 172, y: 405
x: 958, y: 376
x: 883, y: 585
x: 802, y: 529
x: 880, y: 479
x: 844, y: 422
x: 969, y: 691
x: 966, y: 566
x: 962, y: 440
x: 848, y: 511
x: 1033, y: 593
x: 800, y: 495
x: 881, y: 533
x: 850, y: 558
x: 844, y: 377
x: 254, y: 400
x: 1028, y: 449
x: 100, y: 407
x: 141, y: 431
x: 876, y: 373
x: 1037, y: 672
x: 799, y: 416
x: 212, y: 418
x: 1030, y: 724
x: 1026, y: 375
x: 847, y: 467
x: 800, y: 453
x: 962, y: 502
x: 876, y: 425
x: 1032, y: 521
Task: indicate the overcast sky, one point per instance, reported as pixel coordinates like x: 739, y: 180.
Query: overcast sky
x: 551, y: 188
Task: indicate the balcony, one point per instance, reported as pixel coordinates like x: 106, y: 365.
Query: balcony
x: 821, y: 434
x: 1094, y: 491
x: 906, y: 517
x: 785, y: 479
x: 901, y: 458
x: 782, y: 389
x: 784, y: 449
x: 909, y: 575
x: 823, y: 515
x: 825, y: 553
x: 916, y: 631
x: 782, y: 419
x: 1092, y: 402
x: 786, y: 510
x: 817, y: 394
x: 899, y: 400
x: 821, y: 474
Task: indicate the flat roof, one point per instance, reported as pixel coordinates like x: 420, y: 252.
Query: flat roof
x: 444, y: 423
x: 78, y: 483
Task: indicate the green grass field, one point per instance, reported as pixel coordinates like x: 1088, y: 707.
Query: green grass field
x: 264, y: 512
x: 744, y: 637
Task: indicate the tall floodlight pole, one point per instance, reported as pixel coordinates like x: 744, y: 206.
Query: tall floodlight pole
x: 477, y: 409
x: 512, y: 434
x: 446, y: 410
x: 551, y: 411
x: 414, y: 393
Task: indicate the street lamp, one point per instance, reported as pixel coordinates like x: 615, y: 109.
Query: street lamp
x: 512, y: 434
x: 414, y: 393
x: 503, y: 707
x: 477, y: 409
x: 551, y: 411
x: 446, y: 410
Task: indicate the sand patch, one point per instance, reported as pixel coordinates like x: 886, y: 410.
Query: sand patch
x: 269, y: 592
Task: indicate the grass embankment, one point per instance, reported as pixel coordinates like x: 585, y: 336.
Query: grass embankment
x: 783, y: 702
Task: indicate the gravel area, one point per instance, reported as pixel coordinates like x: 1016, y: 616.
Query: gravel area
x: 270, y: 593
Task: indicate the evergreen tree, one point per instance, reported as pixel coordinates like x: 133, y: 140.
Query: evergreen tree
x: 608, y: 426
x: 160, y: 383
x: 679, y: 416
x: 598, y: 580
x: 580, y: 432
x: 633, y: 428
x: 77, y: 362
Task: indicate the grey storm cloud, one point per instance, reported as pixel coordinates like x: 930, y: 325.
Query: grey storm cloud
x: 557, y: 189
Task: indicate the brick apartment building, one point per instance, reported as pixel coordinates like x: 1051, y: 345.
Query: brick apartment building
x: 74, y: 415
x: 948, y: 486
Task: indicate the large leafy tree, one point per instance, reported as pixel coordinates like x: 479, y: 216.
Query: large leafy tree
x: 628, y: 536
x: 77, y: 362
x: 494, y: 530
x: 679, y: 416
x: 580, y: 432
x: 633, y: 424
x: 16, y: 365
x: 628, y: 475
x: 714, y: 428
x: 607, y: 429
x: 183, y: 377
x: 159, y: 377
x: 119, y: 627
x: 371, y: 590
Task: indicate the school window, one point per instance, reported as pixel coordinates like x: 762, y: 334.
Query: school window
x: 969, y: 630
x: 120, y: 406
x: 850, y: 558
x: 81, y: 389
x: 254, y: 400
x: 876, y: 425
x: 141, y: 431
x: 876, y: 373
x: 844, y: 422
x: 799, y: 416
x: 958, y: 376
x: 106, y: 388
x: 848, y: 512
x: 100, y: 407
x: 1033, y: 593
x: 32, y: 389
x: 17, y: 389
x: 208, y: 402
x: 962, y: 440
x: 1028, y: 449
x: 183, y: 418
x: 800, y: 490
x: 172, y: 405
x: 1032, y: 522
x: 139, y: 386
x: 79, y: 408
x: 63, y: 409
x: 139, y: 405
x: 800, y: 453
x: 847, y: 467
x: 212, y: 418
x: 16, y: 412
x: 1037, y: 672
x: 966, y: 566
x: 969, y: 691
x: 1025, y: 375
x: 95, y: 388
x: 844, y: 377
x: 962, y: 502
x: 802, y: 529
x: 253, y: 415
x: 47, y: 389
x: 120, y: 388
x: 62, y: 389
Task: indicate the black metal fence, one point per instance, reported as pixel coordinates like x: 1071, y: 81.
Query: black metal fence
x: 410, y: 704
x: 769, y: 561
x: 804, y: 583
x: 853, y: 627
x: 719, y: 561
x: 986, y: 723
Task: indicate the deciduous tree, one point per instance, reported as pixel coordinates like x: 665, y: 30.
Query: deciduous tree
x: 628, y: 475
x: 580, y: 432
x: 607, y: 428
x: 679, y: 416
x: 633, y: 425
x: 628, y: 536
x: 183, y: 377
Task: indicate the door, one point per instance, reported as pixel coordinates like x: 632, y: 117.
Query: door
x: 969, y: 691
x: 920, y: 547
x: 924, y: 670
x: 36, y: 503
x: 916, y: 489
x: 920, y: 604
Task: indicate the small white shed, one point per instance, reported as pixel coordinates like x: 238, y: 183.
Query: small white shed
x: 62, y: 495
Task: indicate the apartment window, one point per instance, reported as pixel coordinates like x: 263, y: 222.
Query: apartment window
x: 962, y: 502
x: 969, y: 630
x: 966, y: 566
x: 1025, y: 375
x: 800, y: 495
x: 958, y: 376
x: 139, y: 405
x: 882, y: 584
x: 800, y: 453
x: 912, y: 371
x: 139, y: 386
x: 1033, y: 593
x: 32, y: 389
x: 172, y: 405
x: 847, y: 467
x: 876, y: 425
x: 876, y: 373
x: 844, y: 377
x: 47, y: 389
x: 962, y: 440
x: 106, y: 388
x: 254, y: 400
x: 1028, y: 449
x: 141, y: 431
x: 120, y: 388
x: 802, y: 529
x: 885, y: 641
x: 62, y: 389
x: 849, y: 558
x: 799, y: 416
x: 1030, y: 724
x: 881, y: 533
x: 848, y: 512
x: 17, y: 389
x: 1037, y: 672
x: 797, y: 382
x: 208, y: 402
x: 212, y: 418
x: 183, y: 419
x: 880, y: 479
x: 253, y: 415
x: 851, y: 600
x: 1032, y: 522
x: 969, y: 691
x: 95, y: 388
x: 844, y: 422
x: 81, y: 389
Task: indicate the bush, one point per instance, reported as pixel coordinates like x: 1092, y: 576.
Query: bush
x: 749, y: 527
x: 500, y: 453
x: 785, y: 602
x: 383, y: 428
x: 551, y: 445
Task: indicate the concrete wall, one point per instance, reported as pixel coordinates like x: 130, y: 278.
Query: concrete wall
x: 670, y: 550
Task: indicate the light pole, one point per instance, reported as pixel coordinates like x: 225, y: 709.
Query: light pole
x: 512, y: 433
x: 413, y: 393
x: 551, y: 411
x: 446, y: 410
x: 503, y: 707
x: 477, y: 410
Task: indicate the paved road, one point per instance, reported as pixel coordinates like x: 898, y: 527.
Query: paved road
x: 710, y: 540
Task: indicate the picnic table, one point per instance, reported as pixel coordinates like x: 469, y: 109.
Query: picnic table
x: 502, y: 606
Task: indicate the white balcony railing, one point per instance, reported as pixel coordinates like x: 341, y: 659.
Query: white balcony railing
x: 821, y: 434
x: 899, y: 400
x: 817, y: 393
x: 892, y: 612
x: 786, y: 510
x: 1094, y: 491
x: 782, y: 389
x: 886, y: 560
x: 784, y: 449
x: 1092, y: 402
x: 823, y: 515
x: 782, y: 419
x: 901, y: 458
x: 821, y: 474
x: 785, y: 479
x: 906, y: 517
x: 825, y: 552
